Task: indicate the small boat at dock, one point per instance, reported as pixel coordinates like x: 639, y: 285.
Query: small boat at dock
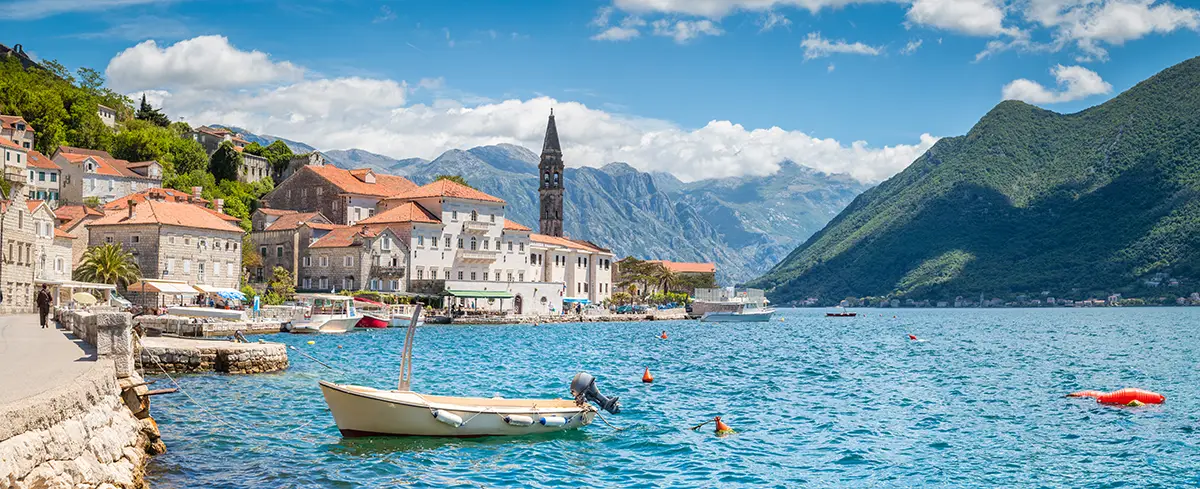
x: 366, y: 411
x: 402, y: 314
x: 328, y: 314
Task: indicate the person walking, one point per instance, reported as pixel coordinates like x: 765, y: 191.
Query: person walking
x: 43, y: 304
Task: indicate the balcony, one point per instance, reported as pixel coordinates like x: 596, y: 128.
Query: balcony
x: 475, y: 227
x: 477, y: 256
x: 387, y: 271
x: 15, y: 174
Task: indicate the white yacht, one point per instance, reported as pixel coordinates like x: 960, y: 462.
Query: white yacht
x: 328, y: 313
x: 730, y: 305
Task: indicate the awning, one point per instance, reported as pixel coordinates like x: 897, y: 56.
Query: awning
x: 224, y: 292
x: 163, y: 287
x: 71, y: 284
x: 573, y: 299
x: 480, y: 294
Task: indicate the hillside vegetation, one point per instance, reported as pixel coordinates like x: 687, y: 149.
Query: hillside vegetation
x: 1029, y: 201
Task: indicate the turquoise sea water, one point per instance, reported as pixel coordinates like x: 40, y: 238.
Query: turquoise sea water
x: 816, y: 402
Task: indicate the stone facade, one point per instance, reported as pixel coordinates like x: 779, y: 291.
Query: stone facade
x: 343, y: 196
x: 296, y: 164
x: 353, y: 259
x: 254, y: 168
x: 550, y: 188
x: 17, y: 130
x: 90, y: 174
x: 281, y: 238
x: 19, y: 263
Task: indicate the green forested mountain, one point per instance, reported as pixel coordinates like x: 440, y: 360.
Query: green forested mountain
x: 1106, y: 200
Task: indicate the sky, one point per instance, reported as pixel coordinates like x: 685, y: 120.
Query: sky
x: 697, y: 88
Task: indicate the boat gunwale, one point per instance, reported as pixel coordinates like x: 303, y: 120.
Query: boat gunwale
x: 460, y: 407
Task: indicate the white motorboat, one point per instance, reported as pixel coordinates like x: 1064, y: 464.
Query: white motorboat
x: 748, y: 312
x: 402, y: 314
x: 328, y: 313
x: 365, y: 411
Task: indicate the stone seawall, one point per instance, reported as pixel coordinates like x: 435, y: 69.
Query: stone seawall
x: 80, y: 434
x: 183, y: 355
x: 199, y: 328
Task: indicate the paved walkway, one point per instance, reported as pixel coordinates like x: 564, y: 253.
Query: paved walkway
x: 33, y: 360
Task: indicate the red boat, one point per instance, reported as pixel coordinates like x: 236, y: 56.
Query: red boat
x: 372, y: 322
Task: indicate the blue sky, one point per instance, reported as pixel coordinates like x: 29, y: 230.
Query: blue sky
x: 648, y: 99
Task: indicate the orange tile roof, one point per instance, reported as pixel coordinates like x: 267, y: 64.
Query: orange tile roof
x: 169, y: 213
x: 344, y: 180
x: 73, y: 212
x: 105, y: 163
x: 445, y: 188
x: 339, y: 237
x: 84, y: 151
x: 293, y: 220
x: 140, y: 164
x: 686, y: 267
x: 33, y: 204
x: 12, y: 120
x: 168, y: 194
x: 565, y: 242
x: 275, y: 212
x: 39, y: 160
x: 59, y: 233
x: 512, y: 226
x: 9, y: 143
x: 406, y: 212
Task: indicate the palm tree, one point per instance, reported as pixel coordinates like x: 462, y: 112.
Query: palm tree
x: 108, y: 264
x: 666, y: 278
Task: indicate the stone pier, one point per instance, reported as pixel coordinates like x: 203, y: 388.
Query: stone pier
x: 187, y: 355
x: 74, y: 411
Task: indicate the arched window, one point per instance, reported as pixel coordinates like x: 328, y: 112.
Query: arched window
x: 546, y: 178
x: 472, y: 244
x: 555, y: 179
x: 474, y: 216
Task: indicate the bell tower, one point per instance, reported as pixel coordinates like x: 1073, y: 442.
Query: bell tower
x: 550, y: 171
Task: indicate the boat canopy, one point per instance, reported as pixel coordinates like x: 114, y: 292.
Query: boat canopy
x: 480, y: 294
x: 163, y: 287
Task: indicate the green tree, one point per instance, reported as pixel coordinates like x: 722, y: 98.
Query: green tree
x: 453, y: 178
x: 280, y: 287
x: 108, y: 264
x: 250, y: 257
x: 225, y: 163
x: 147, y: 113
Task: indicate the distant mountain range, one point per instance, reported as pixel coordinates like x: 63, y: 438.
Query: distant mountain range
x: 744, y: 224
x: 1029, y: 202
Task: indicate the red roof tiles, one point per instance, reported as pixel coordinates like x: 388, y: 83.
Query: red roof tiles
x: 169, y: 213
x: 445, y: 188
x: 345, y: 180
x: 512, y: 226
x: 39, y: 160
x: 293, y: 220
x: 406, y: 212
x: 9, y: 143
x: 11, y: 121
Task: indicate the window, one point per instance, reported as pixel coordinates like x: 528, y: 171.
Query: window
x: 472, y: 276
x: 230, y: 270
x: 460, y: 275
x: 187, y: 241
x: 497, y: 275
x: 108, y: 239
x: 473, y: 244
x: 433, y: 242
x: 58, y: 264
x: 135, y: 239
x: 509, y: 276
x: 420, y: 274
x: 319, y: 189
x: 348, y: 283
x: 304, y: 193
x: 278, y: 252
x: 460, y: 243
x: 308, y: 261
x: 520, y: 276
x: 200, y: 267
x: 324, y: 261
x: 420, y: 241
x: 53, y: 176
x: 324, y: 283
x: 262, y: 250
x: 493, y: 217
x: 474, y: 216
x: 347, y: 261
x: 485, y: 244
x: 446, y: 274
x: 187, y: 266
x: 307, y: 283
x: 446, y: 239
x: 41, y: 175
x: 497, y: 244
x: 387, y: 243
x: 510, y: 246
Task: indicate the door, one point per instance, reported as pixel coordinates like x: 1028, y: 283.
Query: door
x: 517, y: 302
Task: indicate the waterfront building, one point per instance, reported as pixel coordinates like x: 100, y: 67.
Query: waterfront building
x: 15, y: 129
x: 15, y: 159
x: 73, y: 220
x: 355, y: 257
x: 51, y: 246
x: 44, y: 179
x: 254, y: 167
x: 92, y: 174
x: 173, y: 240
x: 282, y: 238
x: 344, y: 196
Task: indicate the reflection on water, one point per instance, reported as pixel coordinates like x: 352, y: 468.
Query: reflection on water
x: 815, y: 402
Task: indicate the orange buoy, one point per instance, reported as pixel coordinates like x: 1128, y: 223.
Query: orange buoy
x: 1092, y: 394
x: 722, y: 428
x: 664, y: 335
x: 911, y: 337
x: 646, y: 377
x: 1126, y: 396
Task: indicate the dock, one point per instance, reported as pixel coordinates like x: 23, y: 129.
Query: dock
x: 191, y: 355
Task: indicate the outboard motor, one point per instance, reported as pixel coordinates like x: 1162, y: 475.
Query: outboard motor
x: 584, y: 386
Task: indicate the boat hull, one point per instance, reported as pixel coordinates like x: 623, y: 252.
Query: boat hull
x: 326, y: 324
x: 737, y: 317
x: 402, y: 320
x: 363, y: 411
x: 370, y: 321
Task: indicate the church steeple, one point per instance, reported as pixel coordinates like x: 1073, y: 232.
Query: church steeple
x: 550, y: 171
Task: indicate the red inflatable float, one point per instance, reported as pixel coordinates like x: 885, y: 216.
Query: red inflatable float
x: 1123, y: 396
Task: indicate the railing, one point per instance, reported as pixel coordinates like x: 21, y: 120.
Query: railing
x: 387, y: 271
x: 477, y: 255
x: 15, y: 174
x: 475, y: 227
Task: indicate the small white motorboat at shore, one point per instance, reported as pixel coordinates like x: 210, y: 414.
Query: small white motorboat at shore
x: 366, y: 411
x: 328, y: 313
x: 749, y: 312
x: 402, y: 314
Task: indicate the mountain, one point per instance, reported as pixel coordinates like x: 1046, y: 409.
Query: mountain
x: 1029, y: 201
x: 743, y: 224
x: 266, y: 140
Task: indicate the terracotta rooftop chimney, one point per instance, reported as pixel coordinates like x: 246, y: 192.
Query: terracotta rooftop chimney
x: 196, y: 192
x: 220, y: 205
x: 132, y: 212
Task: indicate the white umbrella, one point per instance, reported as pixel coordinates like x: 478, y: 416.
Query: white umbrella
x: 84, y: 298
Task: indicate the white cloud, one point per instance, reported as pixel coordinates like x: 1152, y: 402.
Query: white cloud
x: 971, y: 17
x: 773, y: 20
x: 912, y: 46
x: 1074, y: 82
x: 716, y: 9
x: 372, y: 114
x: 37, y: 9
x: 685, y: 30
x: 385, y: 15
x: 1090, y: 24
x: 816, y: 46
x: 616, y: 33
x: 830, y: 68
x: 203, y: 62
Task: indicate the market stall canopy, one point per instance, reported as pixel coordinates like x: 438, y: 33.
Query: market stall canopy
x: 163, y: 287
x: 480, y: 294
x: 73, y: 284
x: 223, y: 292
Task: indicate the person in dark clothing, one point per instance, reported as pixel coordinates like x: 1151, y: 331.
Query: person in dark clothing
x: 43, y: 304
